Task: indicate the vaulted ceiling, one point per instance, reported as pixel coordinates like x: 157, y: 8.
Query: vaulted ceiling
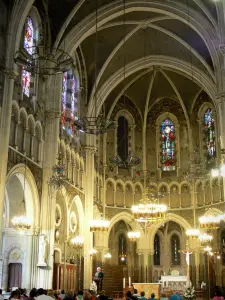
x: 142, y: 45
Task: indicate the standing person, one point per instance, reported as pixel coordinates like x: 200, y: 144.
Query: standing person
x: 98, y: 278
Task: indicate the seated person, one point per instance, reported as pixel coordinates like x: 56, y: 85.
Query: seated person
x: 152, y: 297
x: 142, y: 296
x: 163, y: 297
x: 175, y: 296
x: 129, y: 296
x: 218, y: 296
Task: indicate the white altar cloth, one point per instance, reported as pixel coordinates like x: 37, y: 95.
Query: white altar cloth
x: 166, y: 279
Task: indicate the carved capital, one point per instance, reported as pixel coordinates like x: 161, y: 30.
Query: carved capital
x: 222, y: 48
x: 90, y: 150
x: 10, y: 74
x: 53, y: 114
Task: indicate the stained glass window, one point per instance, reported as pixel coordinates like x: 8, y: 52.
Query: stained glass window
x: 168, y: 145
x: 29, y: 36
x: 26, y: 77
x: 210, y: 133
x: 28, y: 44
x: 222, y: 245
x: 175, y: 248
x: 68, y: 102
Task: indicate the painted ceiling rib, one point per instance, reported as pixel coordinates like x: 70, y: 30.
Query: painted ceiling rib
x: 126, y: 87
x: 187, y: 46
x: 119, y: 45
x: 149, y: 95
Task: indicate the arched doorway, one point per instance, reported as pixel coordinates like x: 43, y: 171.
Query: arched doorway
x: 20, y: 198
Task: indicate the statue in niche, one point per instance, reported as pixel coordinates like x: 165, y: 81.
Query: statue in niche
x: 43, y: 251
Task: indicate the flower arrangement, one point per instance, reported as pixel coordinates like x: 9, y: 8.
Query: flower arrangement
x: 189, y: 293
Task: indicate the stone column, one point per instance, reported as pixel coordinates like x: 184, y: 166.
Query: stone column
x: 48, y: 202
x: 5, y: 122
x: 47, y: 218
x: 88, y: 208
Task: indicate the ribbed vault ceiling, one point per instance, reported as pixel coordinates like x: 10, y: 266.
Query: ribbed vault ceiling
x: 142, y: 33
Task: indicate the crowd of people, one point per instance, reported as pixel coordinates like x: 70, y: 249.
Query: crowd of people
x: 41, y: 294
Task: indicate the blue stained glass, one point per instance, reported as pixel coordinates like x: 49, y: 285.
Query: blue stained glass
x: 168, y: 145
x: 210, y: 133
x: 26, y: 76
x: 29, y: 36
x: 68, y: 102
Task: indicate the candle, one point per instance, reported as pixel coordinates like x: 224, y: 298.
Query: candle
x: 129, y: 282
x: 124, y: 283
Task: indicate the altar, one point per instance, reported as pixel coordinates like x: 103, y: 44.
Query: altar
x: 170, y: 281
x: 148, y: 288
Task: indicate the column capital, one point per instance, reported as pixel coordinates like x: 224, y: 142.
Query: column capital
x: 53, y: 113
x: 10, y: 74
x: 90, y: 149
x: 222, y: 48
x: 220, y: 98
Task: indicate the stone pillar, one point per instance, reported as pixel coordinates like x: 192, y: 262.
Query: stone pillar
x: 48, y: 201
x: 88, y: 208
x: 34, y: 259
x: 5, y: 122
x: 47, y: 218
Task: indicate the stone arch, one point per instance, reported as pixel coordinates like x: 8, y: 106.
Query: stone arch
x: 62, y: 198
x: 80, y: 211
x: 123, y: 216
x: 120, y: 189
x: 169, y: 217
x: 32, y: 207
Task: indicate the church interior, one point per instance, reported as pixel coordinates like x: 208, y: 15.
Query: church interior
x: 112, y: 144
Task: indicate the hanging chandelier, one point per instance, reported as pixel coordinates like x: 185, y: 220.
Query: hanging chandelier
x: 94, y: 125
x: 108, y: 255
x: 98, y: 124
x: 211, y: 222
x: 221, y: 170
x: 77, y: 242
x: 134, y: 236
x: 39, y: 60
x: 130, y: 162
x: 58, y: 177
x: 99, y: 225
x: 205, y: 238
x: 93, y: 252
x: 148, y: 211
x: 193, y: 233
x: 22, y: 222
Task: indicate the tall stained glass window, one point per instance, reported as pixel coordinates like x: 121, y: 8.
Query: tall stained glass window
x: 28, y: 44
x: 210, y: 134
x: 29, y: 36
x: 168, y: 145
x: 26, y: 82
x: 175, y: 248
x: 68, y: 102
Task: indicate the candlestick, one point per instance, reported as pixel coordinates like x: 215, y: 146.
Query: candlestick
x: 129, y: 280
x: 124, y: 283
